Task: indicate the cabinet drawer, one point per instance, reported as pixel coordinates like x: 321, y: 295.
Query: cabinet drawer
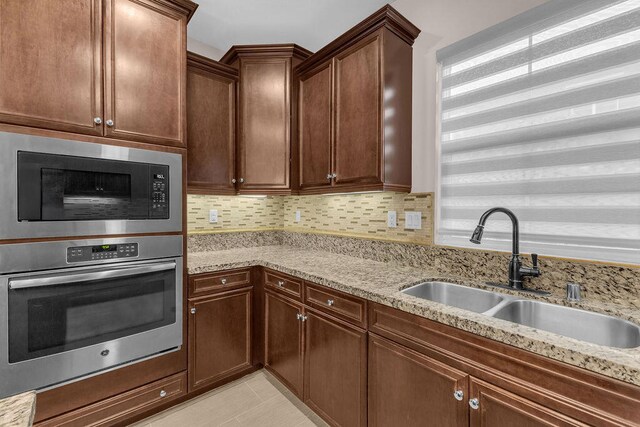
x: 287, y: 285
x: 338, y: 304
x: 207, y: 283
x: 119, y: 408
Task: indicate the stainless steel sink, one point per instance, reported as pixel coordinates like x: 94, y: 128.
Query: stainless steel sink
x: 459, y: 296
x: 582, y: 325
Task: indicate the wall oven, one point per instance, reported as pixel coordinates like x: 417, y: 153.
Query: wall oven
x: 70, y: 309
x: 54, y: 187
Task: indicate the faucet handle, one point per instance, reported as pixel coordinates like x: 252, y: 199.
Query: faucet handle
x: 534, y: 260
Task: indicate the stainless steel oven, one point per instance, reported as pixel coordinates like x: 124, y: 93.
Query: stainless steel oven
x: 69, y: 309
x: 54, y: 187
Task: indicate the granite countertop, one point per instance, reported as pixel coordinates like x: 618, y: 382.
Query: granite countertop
x: 382, y: 282
x: 18, y: 410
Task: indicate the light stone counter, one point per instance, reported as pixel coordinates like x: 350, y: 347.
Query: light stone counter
x: 18, y: 411
x: 381, y: 282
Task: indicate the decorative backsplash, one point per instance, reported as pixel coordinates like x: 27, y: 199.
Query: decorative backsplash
x: 235, y: 213
x: 356, y: 215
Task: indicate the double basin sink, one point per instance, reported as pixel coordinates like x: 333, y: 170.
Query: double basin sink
x: 570, y: 322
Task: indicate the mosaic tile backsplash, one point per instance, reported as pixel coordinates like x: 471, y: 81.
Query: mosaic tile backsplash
x: 357, y: 215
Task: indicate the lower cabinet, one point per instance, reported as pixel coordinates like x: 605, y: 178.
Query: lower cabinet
x: 409, y: 389
x: 283, y: 340
x: 117, y: 409
x: 492, y: 406
x: 335, y: 374
x: 219, y: 336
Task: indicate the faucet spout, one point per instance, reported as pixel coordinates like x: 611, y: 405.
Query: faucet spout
x: 516, y: 271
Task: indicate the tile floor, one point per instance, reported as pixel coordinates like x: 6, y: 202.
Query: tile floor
x: 255, y: 400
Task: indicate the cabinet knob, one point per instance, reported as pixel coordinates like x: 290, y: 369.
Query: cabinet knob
x: 299, y: 316
x: 241, y: 180
x: 193, y: 310
x: 330, y: 302
x: 303, y: 318
x: 329, y: 176
x: 109, y: 123
x: 280, y: 283
x: 163, y: 393
x: 474, y: 403
x: 97, y: 120
x: 334, y: 176
x: 458, y: 394
x: 233, y: 181
x: 223, y: 281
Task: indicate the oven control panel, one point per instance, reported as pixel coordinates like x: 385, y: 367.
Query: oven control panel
x: 100, y: 252
x: 159, y: 191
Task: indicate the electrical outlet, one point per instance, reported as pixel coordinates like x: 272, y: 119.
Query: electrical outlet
x: 213, y: 216
x: 413, y: 220
x: 392, y: 219
x: 298, y: 216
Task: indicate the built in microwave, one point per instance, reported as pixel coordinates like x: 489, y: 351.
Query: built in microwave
x: 54, y: 187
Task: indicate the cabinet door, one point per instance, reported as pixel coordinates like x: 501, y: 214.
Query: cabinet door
x: 211, y: 105
x: 50, y: 64
x: 335, y: 380
x: 497, y: 407
x: 145, y: 72
x: 219, y: 336
x: 283, y: 341
x: 264, y: 124
x: 315, y: 128
x: 409, y: 389
x: 357, y: 103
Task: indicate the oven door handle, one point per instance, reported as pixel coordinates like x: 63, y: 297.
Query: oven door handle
x: 89, y: 276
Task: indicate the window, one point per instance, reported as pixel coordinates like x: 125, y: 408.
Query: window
x: 541, y: 114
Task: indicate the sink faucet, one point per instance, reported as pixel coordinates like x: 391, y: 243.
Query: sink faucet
x: 516, y: 270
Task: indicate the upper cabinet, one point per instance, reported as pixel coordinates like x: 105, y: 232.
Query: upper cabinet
x: 51, y: 64
x: 211, y: 126
x: 354, y: 131
x: 265, y: 113
x: 55, y: 75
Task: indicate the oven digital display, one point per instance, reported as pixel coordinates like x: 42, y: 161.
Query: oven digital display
x: 104, y: 248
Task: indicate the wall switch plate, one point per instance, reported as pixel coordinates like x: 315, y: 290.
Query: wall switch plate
x: 297, y: 216
x: 392, y: 219
x: 413, y: 220
x: 213, y: 216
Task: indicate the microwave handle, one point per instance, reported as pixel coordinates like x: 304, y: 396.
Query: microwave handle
x: 85, y: 277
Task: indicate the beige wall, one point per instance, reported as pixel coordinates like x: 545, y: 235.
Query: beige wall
x: 442, y: 22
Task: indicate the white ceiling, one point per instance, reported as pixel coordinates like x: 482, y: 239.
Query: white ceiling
x: 309, y: 23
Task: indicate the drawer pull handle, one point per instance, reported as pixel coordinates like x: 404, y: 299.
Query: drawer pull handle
x: 330, y: 302
x: 474, y: 403
x: 163, y: 393
x: 280, y: 283
x: 458, y: 394
x: 223, y: 281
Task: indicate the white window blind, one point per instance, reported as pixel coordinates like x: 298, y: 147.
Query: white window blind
x: 541, y: 114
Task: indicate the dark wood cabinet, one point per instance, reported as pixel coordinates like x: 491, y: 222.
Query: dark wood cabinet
x: 361, y: 84
x: 211, y: 126
x: 265, y: 114
x: 54, y: 75
x: 220, y: 336
x: 407, y: 388
x: 145, y: 71
x: 315, y: 127
x: 335, y: 376
x: 498, y: 407
x: 283, y: 340
x: 51, y: 64
x: 358, y: 155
